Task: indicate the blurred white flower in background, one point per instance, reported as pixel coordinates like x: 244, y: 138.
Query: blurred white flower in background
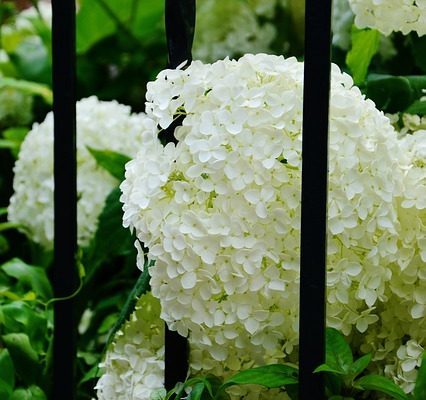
x: 100, y: 125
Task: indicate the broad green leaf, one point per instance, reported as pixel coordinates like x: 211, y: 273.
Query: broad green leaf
x: 197, y: 391
x: 340, y: 398
x: 31, y: 393
x: 360, y: 365
x: 365, y: 43
x: 148, y: 18
x: 338, y: 355
x: 97, y: 19
x: 380, y: 384
x: 7, y: 371
x: 29, y: 87
x: 390, y: 93
x: 420, y: 388
x: 23, y: 355
x: 111, y: 161
x: 270, y: 376
x: 418, y: 107
x: 140, y: 288
x: 29, y: 276
x: 20, y: 317
x: 5, y: 390
x: 111, y: 239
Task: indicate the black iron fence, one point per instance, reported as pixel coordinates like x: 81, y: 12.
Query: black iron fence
x: 180, y: 21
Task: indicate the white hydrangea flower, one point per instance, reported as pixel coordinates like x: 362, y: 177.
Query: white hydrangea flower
x: 389, y: 16
x: 101, y: 125
x: 220, y: 211
x: 133, y: 368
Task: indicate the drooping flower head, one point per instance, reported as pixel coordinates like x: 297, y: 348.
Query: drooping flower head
x: 100, y: 125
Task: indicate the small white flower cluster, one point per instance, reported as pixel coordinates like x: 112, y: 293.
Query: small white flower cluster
x: 407, y: 360
x: 133, y: 368
x: 100, y: 125
x: 389, y: 16
x: 226, y: 28
x: 220, y: 211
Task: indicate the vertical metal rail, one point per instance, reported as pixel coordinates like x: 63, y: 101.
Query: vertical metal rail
x: 64, y: 269
x: 314, y: 197
x: 180, y: 24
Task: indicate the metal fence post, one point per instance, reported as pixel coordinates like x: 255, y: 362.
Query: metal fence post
x: 180, y: 24
x: 65, y: 197
x: 313, y: 245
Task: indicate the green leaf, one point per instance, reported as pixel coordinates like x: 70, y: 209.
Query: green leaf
x: 20, y: 317
x: 7, y: 372
x: 197, y: 391
x: 420, y: 388
x: 390, y: 93
x: 31, y: 393
x: 96, y: 20
x: 29, y: 87
x: 5, y: 390
x: 140, y: 288
x: 13, y: 138
x: 418, y: 107
x: 111, y: 239
x: 380, y: 384
x: 148, y: 18
x: 338, y: 354
x: 213, y: 385
x: 333, y: 384
x: 24, y: 357
x: 34, y: 278
x: 327, y: 368
x: 111, y: 161
x: 270, y: 376
x: 360, y: 365
x: 365, y: 43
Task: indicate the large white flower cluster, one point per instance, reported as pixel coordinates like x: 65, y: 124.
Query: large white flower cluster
x: 133, y: 368
x: 220, y: 211
x: 100, y: 125
x: 389, y: 16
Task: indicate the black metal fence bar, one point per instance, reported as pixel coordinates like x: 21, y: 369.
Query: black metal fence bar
x: 65, y: 197
x: 314, y: 197
x: 180, y: 24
